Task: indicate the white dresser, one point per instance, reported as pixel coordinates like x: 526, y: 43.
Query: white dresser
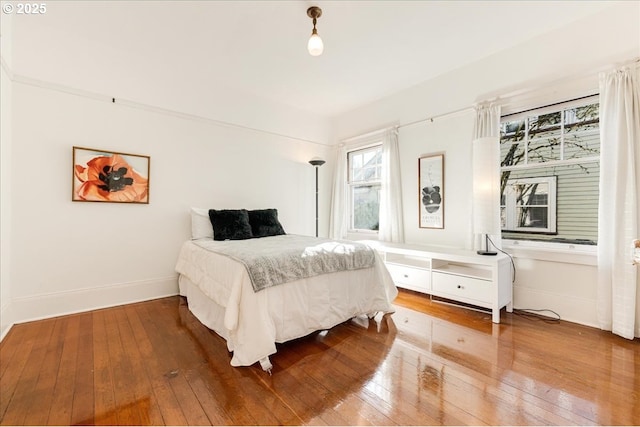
x: 455, y: 274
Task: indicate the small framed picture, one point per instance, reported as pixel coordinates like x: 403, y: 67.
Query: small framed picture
x: 108, y: 176
x: 431, y: 191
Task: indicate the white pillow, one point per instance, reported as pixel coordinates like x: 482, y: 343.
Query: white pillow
x: 201, y: 227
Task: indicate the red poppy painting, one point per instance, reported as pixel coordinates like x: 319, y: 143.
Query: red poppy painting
x: 104, y: 176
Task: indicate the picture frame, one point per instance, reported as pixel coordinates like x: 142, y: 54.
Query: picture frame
x: 431, y: 194
x: 109, y: 176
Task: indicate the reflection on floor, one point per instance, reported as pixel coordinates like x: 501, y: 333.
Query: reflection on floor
x: 427, y: 364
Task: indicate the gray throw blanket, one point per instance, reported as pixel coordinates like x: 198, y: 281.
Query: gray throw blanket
x: 275, y: 260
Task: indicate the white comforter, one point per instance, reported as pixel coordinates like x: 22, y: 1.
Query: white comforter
x: 252, y: 322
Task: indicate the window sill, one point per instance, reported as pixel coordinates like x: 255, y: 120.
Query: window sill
x: 554, y: 252
x: 362, y: 234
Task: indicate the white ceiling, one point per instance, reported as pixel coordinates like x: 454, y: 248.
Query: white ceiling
x: 372, y: 48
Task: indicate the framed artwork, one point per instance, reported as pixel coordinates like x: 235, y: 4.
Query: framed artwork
x: 431, y: 191
x: 108, y: 176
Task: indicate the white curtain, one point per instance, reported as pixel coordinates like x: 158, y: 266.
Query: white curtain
x: 391, y: 223
x: 487, y: 124
x: 338, y: 219
x: 487, y: 121
x: 619, y: 204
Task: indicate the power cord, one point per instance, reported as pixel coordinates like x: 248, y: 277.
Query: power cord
x: 526, y: 312
x: 513, y: 264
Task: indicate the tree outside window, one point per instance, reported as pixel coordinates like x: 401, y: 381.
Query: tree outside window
x: 550, y: 172
x: 365, y: 168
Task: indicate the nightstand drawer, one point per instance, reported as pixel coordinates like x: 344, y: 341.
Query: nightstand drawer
x: 461, y: 286
x: 409, y: 277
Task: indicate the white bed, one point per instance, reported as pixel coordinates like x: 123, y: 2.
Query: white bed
x: 220, y: 294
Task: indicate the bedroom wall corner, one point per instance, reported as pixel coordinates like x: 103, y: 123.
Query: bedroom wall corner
x: 6, y: 318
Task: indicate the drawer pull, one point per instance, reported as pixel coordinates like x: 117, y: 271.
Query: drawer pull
x: 406, y: 276
x: 460, y: 287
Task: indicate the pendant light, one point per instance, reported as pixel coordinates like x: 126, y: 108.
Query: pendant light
x: 315, y: 45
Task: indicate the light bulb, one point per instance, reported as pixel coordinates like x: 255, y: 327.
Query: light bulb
x: 315, y: 45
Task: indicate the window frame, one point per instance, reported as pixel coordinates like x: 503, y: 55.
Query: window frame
x: 351, y: 184
x: 581, y: 252
x: 511, y: 206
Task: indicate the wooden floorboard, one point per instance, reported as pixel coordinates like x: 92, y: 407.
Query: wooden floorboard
x: 64, y: 388
x: 82, y: 409
x: 153, y: 363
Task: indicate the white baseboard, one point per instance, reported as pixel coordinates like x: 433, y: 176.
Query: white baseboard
x: 570, y: 308
x: 37, y: 307
x: 6, y: 320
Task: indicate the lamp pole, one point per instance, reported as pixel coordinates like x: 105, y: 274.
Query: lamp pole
x: 316, y: 162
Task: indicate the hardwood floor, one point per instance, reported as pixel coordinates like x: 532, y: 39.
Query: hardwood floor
x: 427, y: 364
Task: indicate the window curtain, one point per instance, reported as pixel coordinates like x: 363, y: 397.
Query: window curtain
x: 487, y: 124
x: 339, y: 208
x: 391, y: 223
x: 619, y: 203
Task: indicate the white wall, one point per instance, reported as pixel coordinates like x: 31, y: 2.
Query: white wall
x: 555, y: 61
x: 5, y: 196
x: 72, y: 256
x: 5, y: 176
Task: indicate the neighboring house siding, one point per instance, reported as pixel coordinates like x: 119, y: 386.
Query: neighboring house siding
x: 577, y: 207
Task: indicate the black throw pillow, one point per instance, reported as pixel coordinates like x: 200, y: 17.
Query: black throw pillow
x: 230, y: 224
x: 264, y: 222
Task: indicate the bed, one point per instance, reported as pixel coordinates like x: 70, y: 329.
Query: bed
x: 255, y: 307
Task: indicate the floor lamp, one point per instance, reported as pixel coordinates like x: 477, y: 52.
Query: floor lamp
x: 316, y: 162
x: 486, y: 189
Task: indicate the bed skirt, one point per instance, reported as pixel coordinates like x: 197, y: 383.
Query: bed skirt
x: 291, y: 310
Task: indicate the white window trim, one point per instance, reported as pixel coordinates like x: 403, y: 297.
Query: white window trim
x: 552, y: 251
x: 511, y: 206
x: 517, y: 106
x: 350, y: 185
x: 590, y: 159
x: 552, y: 106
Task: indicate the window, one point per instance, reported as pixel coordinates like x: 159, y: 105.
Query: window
x: 365, y: 168
x: 550, y: 173
x: 529, y: 204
